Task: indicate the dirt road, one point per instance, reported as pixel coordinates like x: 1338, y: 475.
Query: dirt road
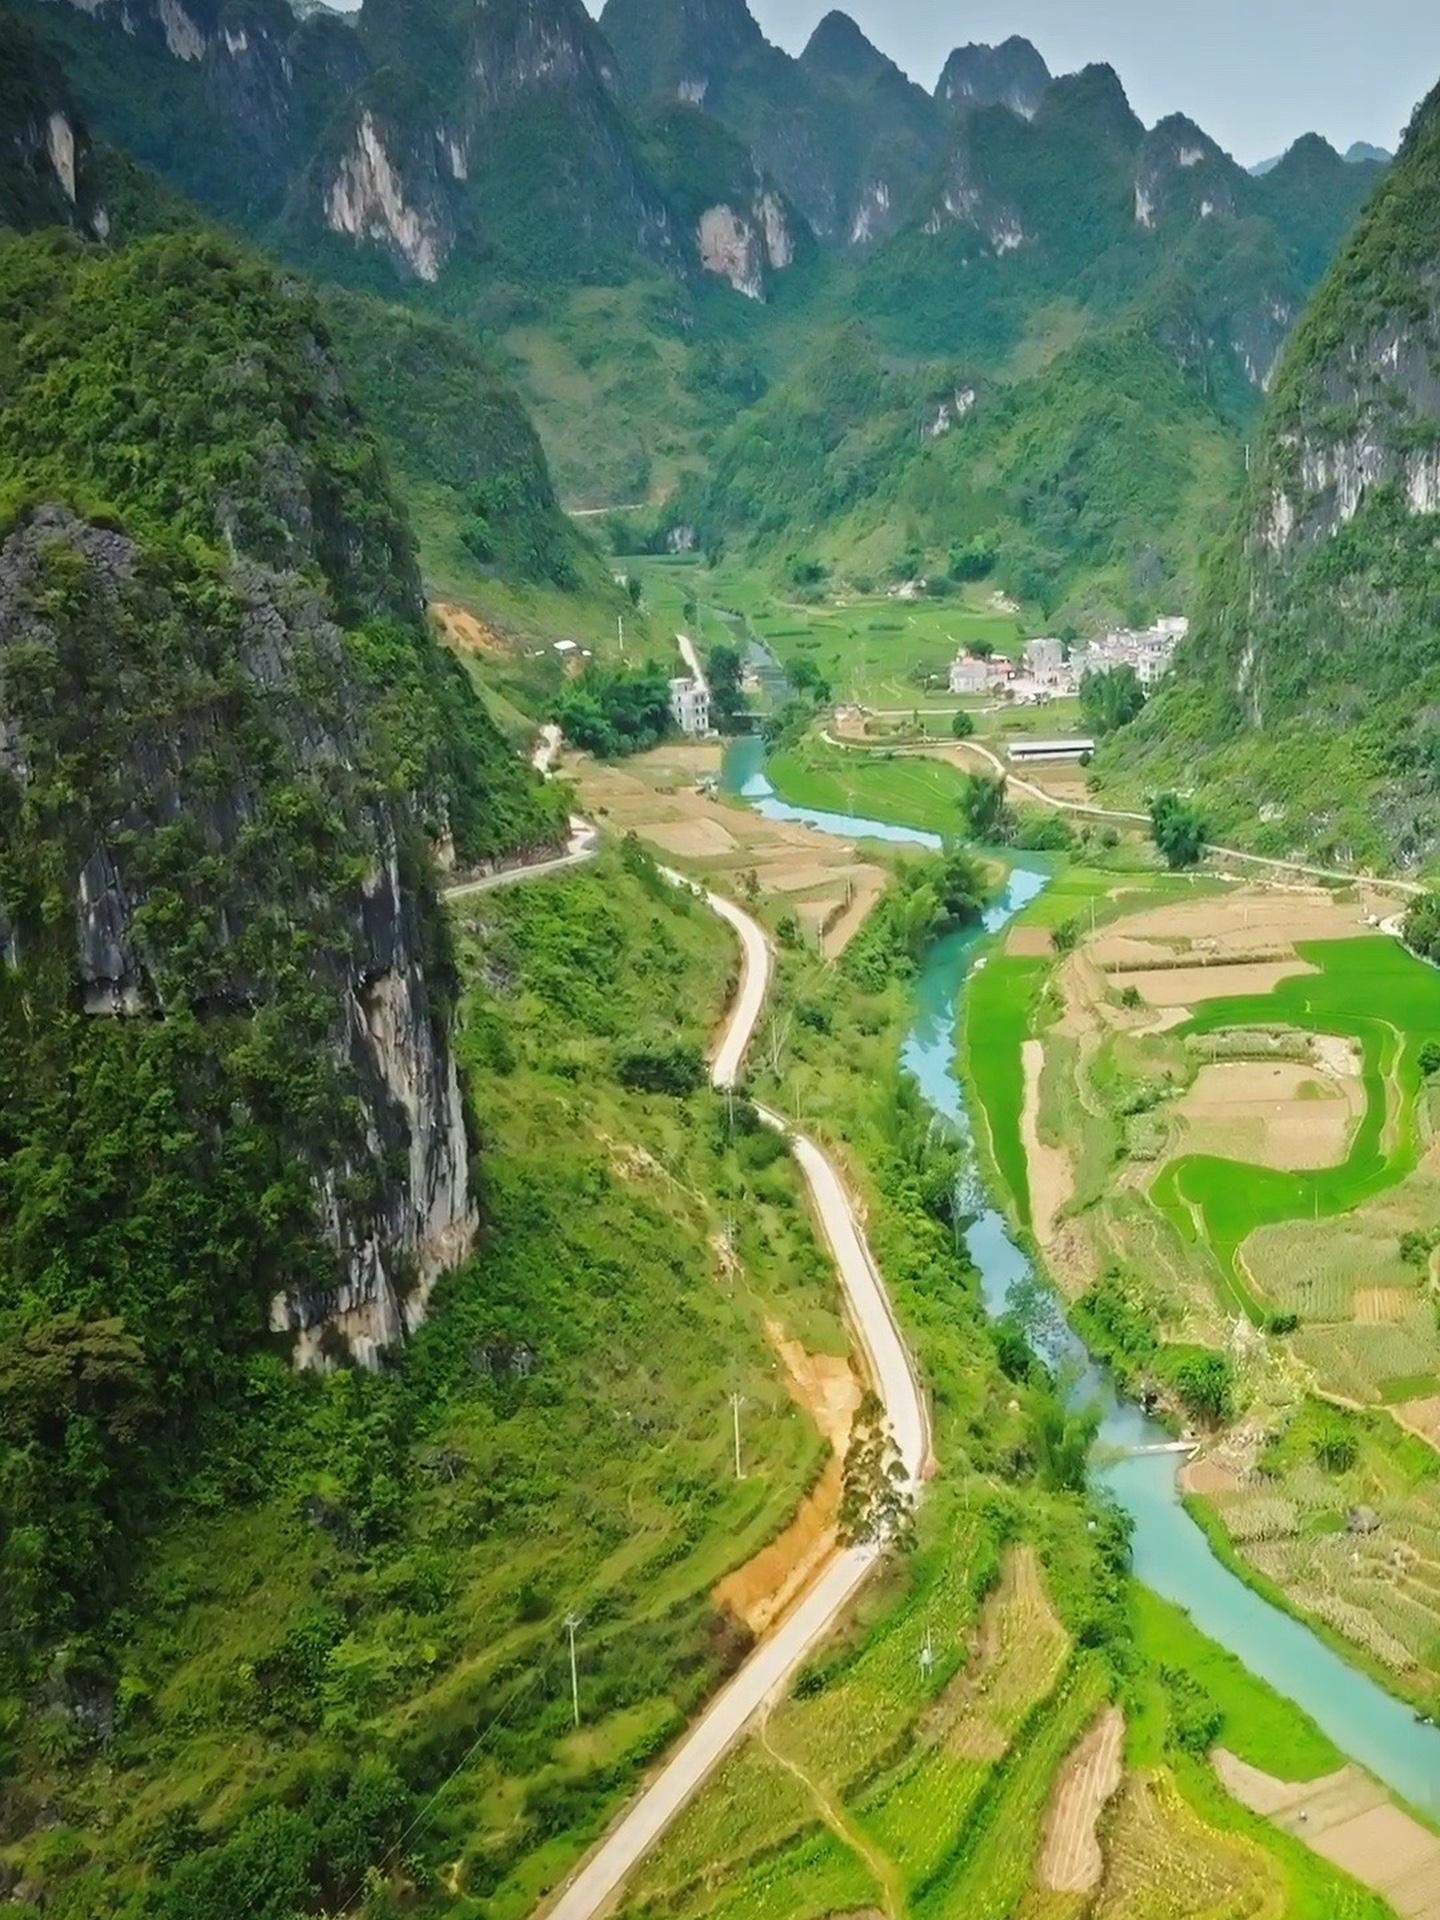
x: 1091, y: 812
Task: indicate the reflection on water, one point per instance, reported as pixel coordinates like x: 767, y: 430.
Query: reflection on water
x: 1171, y: 1554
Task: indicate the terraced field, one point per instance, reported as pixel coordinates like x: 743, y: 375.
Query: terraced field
x: 1370, y: 991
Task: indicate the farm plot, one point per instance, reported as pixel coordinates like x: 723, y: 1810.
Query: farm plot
x: 1355, y: 1544
x: 1016, y: 1661
x: 1283, y: 1114
x: 1221, y: 1201
x: 1164, y: 1863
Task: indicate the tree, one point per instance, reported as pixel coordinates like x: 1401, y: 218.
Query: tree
x: 1204, y: 1380
x: 982, y: 802
x: 1179, y: 829
x: 609, y: 712
x: 806, y: 677
x: 1430, y: 1059
x: 1111, y: 699
x: 962, y: 889
x: 974, y: 560
x: 875, y: 1501
x: 727, y: 698
x: 1422, y: 926
x: 1336, y: 1447
x: 635, y: 587
x: 1061, y: 1439
x: 963, y: 725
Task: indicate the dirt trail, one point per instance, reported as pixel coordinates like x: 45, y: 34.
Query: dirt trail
x: 887, y: 1875
x: 1348, y: 1819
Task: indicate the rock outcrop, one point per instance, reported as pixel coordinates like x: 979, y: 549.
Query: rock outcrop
x: 1317, y: 627
x: 1012, y: 75
x: 47, y: 170
x: 207, y: 824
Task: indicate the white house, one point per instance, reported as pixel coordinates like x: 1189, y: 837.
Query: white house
x: 690, y: 705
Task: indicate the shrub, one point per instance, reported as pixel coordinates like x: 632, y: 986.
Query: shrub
x: 673, y: 1070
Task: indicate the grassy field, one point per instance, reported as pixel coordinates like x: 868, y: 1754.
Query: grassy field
x: 874, y: 651
x: 1370, y: 991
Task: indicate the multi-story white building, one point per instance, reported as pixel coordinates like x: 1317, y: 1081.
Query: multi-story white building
x: 690, y: 705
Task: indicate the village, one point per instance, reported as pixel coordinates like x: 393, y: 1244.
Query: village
x: 1051, y: 669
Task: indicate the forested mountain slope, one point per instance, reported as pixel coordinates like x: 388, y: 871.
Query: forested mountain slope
x: 1304, y: 706
x: 229, y: 752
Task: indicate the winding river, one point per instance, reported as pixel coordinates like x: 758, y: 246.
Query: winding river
x: 1171, y: 1554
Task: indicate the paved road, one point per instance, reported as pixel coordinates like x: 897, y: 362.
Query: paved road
x: 1021, y: 785
x: 778, y: 1657
x: 584, y: 845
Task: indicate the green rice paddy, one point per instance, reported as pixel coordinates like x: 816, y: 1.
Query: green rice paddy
x: 1368, y: 990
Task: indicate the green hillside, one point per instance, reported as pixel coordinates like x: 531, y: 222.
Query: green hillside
x: 1304, y: 704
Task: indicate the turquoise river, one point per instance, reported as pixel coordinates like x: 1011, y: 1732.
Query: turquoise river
x: 1171, y: 1554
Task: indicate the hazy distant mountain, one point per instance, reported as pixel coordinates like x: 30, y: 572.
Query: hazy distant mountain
x: 1011, y: 75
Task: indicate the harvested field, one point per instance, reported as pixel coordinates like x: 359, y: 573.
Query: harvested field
x: 693, y: 839
x: 1051, y: 1180
x: 1188, y: 986
x: 1271, y: 1113
x: 1382, y: 1306
x: 1245, y: 918
x: 655, y: 796
x: 1030, y: 942
x: 1071, y: 1860
x: 1422, y: 1417
x: 1350, y: 1821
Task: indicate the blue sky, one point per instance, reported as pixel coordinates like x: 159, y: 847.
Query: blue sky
x: 1254, y: 73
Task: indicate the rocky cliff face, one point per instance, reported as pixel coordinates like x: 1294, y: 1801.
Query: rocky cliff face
x: 262, y: 83
x: 1011, y: 75
x: 208, y: 824
x: 505, y: 128
x: 47, y: 172
x: 392, y: 1201
x: 846, y: 138
x: 1182, y: 175
x: 1319, y: 624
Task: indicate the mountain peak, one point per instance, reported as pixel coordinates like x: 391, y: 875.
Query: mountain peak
x: 1094, y: 101
x: 839, y: 50
x: 679, y: 46
x: 1011, y: 75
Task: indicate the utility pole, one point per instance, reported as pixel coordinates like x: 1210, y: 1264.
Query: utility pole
x: 927, y: 1654
x: 737, y: 1400
x: 620, y: 623
x: 572, y: 1622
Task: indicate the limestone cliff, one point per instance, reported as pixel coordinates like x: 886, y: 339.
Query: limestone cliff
x: 1013, y: 75
x: 227, y: 743
x: 1311, y: 687
x: 47, y: 175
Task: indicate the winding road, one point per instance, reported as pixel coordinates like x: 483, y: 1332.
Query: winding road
x: 773, y: 1663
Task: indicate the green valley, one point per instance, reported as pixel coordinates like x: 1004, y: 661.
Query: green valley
x: 719, y: 1042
